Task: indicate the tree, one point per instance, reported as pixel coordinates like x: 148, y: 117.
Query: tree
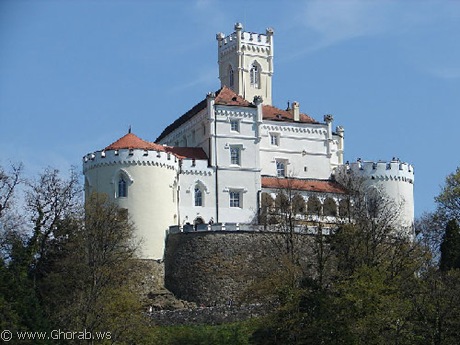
x: 366, y: 276
x: 436, y: 308
x: 450, y: 247
x: 432, y: 227
x: 8, y: 184
x: 448, y: 201
x: 93, y: 285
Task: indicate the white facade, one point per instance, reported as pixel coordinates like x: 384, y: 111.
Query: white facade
x: 150, y: 194
x: 212, y: 164
x: 396, y: 180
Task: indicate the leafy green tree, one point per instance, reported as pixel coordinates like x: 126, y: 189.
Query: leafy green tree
x: 448, y: 201
x: 362, y: 295
x: 450, y: 247
x: 436, y: 308
x: 93, y: 284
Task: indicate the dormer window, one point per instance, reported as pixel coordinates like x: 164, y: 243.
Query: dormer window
x: 255, y: 75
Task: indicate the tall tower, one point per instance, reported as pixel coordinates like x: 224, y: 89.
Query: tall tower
x: 246, y: 63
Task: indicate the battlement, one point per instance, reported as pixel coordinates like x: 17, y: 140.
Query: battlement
x: 130, y: 157
x: 394, y: 170
x: 243, y: 37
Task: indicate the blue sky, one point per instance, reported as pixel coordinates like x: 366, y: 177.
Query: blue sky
x: 74, y: 75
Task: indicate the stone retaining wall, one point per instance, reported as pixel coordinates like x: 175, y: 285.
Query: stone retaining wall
x: 214, y: 268
x: 209, y: 315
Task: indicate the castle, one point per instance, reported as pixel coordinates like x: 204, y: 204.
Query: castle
x: 210, y: 168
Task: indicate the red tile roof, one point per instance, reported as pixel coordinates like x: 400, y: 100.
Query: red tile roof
x: 224, y: 96
x: 227, y: 96
x: 132, y: 141
x: 187, y: 152
x: 311, y: 185
x: 274, y: 114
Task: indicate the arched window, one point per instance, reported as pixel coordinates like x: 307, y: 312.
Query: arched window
x: 266, y: 209
x: 344, y: 208
x: 282, y: 202
x: 330, y: 207
x: 231, y: 77
x: 298, y: 204
x: 314, y: 206
x: 198, y: 197
x: 122, y: 187
x: 255, y: 75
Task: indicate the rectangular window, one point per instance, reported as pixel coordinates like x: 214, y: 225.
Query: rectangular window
x: 234, y: 125
x: 274, y: 139
x: 234, y: 199
x: 235, y: 155
x: 281, y: 168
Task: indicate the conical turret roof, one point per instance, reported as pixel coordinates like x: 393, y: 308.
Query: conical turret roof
x: 132, y: 141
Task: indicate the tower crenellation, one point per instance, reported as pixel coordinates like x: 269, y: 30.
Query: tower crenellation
x: 129, y: 157
x: 246, y: 62
x: 394, y: 170
x: 396, y: 179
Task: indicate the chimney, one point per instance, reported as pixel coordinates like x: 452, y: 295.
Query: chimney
x: 296, y: 111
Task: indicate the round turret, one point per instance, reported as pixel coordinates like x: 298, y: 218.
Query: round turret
x: 395, y: 179
x: 140, y: 177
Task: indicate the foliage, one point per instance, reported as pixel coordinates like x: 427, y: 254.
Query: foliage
x: 366, y: 277
x: 448, y: 201
x: 450, y: 247
x: 237, y: 333
x: 65, y: 267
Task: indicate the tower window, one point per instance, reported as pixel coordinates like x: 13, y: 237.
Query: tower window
x: 122, y: 188
x: 231, y: 77
x: 235, y: 155
x: 235, y: 200
x: 255, y: 75
x: 198, y: 197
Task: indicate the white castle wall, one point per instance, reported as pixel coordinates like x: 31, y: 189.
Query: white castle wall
x: 151, y: 200
x: 304, y: 146
x: 197, y: 173
x: 395, y: 178
x: 193, y: 133
x: 244, y: 177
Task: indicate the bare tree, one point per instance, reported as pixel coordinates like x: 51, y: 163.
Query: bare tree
x: 9, y: 180
x: 50, y: 199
